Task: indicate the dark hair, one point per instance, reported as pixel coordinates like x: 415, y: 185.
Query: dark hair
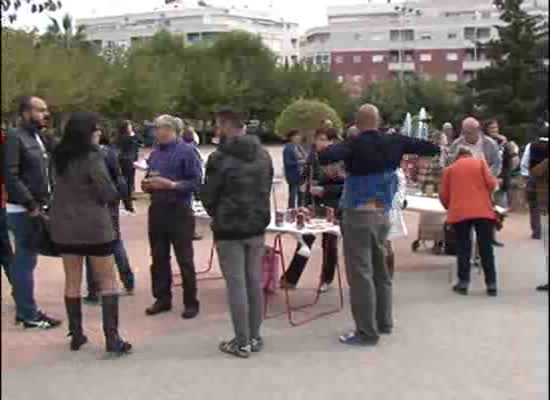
x: 321, y: 132
x: 488, y: 123
x: 24, y: 104
x: 333, y: 134
x: 232, y: 116
x: 123, y: 128
x: 292, y: 133
x: 105, y: 139
x: 77, y: 140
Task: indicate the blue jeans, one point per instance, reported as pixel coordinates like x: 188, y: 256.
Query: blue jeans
x: 22, y: 268
x: 294, y: 196
x: 6, y: 253
x: 123, y: 265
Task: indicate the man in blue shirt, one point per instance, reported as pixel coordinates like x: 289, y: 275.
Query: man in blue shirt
x: 372, y: 159
x: 174, y: 175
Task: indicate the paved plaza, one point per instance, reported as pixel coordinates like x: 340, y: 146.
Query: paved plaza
x: 444, y: 347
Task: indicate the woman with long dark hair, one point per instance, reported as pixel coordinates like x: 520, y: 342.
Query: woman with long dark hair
x: 128, y: 147
x: 81, y: 225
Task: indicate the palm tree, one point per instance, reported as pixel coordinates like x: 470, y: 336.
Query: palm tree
x: 65, y: 33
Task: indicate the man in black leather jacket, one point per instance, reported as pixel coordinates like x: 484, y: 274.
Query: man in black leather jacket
x: 28, y: 187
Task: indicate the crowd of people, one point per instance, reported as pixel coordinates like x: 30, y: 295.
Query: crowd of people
x: 68, y: 195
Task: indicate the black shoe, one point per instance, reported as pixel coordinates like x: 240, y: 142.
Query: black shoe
x: 74, y: 314
x: 92, y: 299
x: 385, y: 330
x: 41, y: 322
x: 256, y: 345
x: 497, y: 243
x: 114, y: 344
x: 492, y: 292
x: 190, y: 312
x: 158, y: 308
x: 542, y: 288
x: 356, y: 339
x: 462, y: 290
x: 536, y: 236
x: 233, y: 348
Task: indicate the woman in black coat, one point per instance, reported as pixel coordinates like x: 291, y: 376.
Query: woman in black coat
x: 128, y: 147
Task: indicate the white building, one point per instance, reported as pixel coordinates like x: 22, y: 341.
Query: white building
x: 196, y: 23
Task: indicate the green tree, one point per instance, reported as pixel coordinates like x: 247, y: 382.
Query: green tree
x: 511, y: 88
x: 307, y: 116
x: 65, y: 33
x: 10, y: 8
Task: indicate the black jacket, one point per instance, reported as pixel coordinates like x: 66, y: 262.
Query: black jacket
x: 373, y: 152
x: 128, y: 147
x: 237, y: 189
x: 330, y: 177
x: 27, y: 181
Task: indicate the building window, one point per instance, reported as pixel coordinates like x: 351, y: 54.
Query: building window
x: 469, y: 33
x: 409, y: 56
x: 452, y: 35
x: 377, y: 59
x: 357, y: 59
x: 339, y: 59
x: 483, y: 33
x: 452, y: 57
x: 425, y: 57
x: 451, y: 77
x: 406, y: 35
x: 426, y: 36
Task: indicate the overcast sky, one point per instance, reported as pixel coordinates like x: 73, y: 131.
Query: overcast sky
x: 307, y: 13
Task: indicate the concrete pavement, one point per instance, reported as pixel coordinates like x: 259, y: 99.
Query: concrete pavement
x: 444, y: 347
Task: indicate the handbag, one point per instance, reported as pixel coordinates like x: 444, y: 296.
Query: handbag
x: 41, y: 238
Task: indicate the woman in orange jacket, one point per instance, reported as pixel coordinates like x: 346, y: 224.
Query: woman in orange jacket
x: 465, y: 191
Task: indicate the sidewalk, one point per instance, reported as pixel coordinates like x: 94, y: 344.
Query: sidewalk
x: 444, y: 347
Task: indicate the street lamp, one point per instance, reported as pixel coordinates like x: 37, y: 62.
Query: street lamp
x: 403, y: 12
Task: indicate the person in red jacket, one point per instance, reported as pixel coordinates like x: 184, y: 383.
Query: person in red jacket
x: 465, y: 191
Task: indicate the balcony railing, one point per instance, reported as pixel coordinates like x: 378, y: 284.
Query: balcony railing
x: 401, y: 66
x: 475, y: 65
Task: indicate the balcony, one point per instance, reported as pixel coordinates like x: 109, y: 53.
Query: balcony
x: 475, y: 65
x: 401, y: 66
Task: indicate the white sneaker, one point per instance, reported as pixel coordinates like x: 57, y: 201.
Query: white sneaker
x: 325, y: 287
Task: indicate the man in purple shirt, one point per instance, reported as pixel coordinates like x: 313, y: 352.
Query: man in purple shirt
x: 174, y: 175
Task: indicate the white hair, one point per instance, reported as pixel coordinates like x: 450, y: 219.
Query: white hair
x: 447, y: 125
x: 168, y: 121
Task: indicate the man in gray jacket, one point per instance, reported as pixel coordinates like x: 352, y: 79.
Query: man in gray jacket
x: 482, y: 146
x: 236, y: 194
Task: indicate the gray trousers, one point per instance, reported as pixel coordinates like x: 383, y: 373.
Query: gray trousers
x: 241, y: 265
x: 365, y: 233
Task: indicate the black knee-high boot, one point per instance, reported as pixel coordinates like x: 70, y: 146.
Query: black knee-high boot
x: 74, y: 315
x: 114, y: 343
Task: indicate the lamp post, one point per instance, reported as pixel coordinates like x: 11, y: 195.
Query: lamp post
x: 403, y: 11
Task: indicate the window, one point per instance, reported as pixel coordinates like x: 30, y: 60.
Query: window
x: 452, y: 35
x: 452, y: 57
x: 469, y: 33
x: 377, y: 59
x: 408, y: 57
x: 451, y: 77
x: 426, y: 36
x: 483, y: 33
x: 395, y: 35
x: 357, y: 59
x: 339, y: 59
x: 426, y: 57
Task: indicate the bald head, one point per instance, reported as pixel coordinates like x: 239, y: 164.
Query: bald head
x: 368, y: 117
x: 471, y: 130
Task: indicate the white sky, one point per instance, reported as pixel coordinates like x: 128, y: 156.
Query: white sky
x: 308, y: 13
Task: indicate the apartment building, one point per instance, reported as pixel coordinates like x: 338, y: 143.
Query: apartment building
x: 386, y: 39
x: 197, y: 22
